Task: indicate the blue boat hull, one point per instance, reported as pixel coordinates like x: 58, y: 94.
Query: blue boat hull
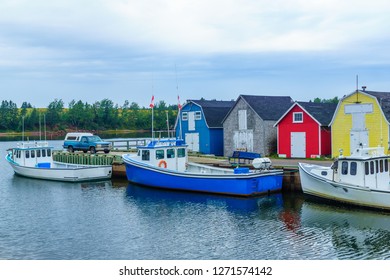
x: 235, y: 184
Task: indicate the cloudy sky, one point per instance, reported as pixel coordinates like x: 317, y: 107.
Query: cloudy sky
x: 217, y: 49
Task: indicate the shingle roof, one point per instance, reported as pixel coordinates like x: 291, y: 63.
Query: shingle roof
x: 269, y: 107
x: 383, y: 100
x: 322, y: 112
x: 214, y: 111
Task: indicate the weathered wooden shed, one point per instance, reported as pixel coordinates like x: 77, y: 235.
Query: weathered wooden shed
x: 200, y: 125
x: 249, y: 125
x: 304, y: 132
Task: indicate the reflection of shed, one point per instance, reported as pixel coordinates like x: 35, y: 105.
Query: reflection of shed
x: 249, y: 124
x: 200, y: 125
x: 304, y: 132
x: 361, y: 119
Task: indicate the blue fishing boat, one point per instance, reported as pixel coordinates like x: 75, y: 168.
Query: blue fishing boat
x: 164, y: 164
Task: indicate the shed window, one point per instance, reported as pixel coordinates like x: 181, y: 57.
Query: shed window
x: 160, y: 154
x: 242, y: 123
x: 298, y: 117
x: 184, y: 116
x: 353, y: 168
x: 198, y: 115
x: 344, y: 168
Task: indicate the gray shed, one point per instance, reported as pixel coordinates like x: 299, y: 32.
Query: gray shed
x: 249, y: 125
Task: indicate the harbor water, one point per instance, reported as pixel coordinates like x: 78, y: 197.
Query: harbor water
x: 116, y: 220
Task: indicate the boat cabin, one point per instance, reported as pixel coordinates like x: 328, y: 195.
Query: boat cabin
x: 367, y: 167
x: 33, y: 154
x: 171, y: 154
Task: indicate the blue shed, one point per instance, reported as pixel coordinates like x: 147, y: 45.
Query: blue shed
x: 200, y: 125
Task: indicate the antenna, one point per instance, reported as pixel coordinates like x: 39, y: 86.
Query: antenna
x: 357, y: 89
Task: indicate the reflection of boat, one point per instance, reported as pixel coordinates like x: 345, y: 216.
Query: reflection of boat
x: 361, y: 179
x: 164, y: 164
x: 236, y: 204
x: 34, y: 160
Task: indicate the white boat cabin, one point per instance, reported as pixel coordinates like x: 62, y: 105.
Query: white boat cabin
x: 33, y: 154
x: 366, y: 167
x: 170, y: 154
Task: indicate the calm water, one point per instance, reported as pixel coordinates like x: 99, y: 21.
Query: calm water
x: 116, y: 220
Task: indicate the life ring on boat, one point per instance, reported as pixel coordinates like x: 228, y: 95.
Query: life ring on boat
x: 162, y: 164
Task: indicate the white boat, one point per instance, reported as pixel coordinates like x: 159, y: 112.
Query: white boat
x: 34, y: 160
x: 361, y: 179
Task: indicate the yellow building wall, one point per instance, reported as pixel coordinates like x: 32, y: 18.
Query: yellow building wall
x: 378, y: 128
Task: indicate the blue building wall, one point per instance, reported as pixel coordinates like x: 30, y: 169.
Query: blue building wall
x: 210, y: 140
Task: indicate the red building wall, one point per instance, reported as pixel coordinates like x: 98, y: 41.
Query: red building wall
x: 309, y: 125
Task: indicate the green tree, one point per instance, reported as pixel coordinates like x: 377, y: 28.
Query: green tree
x: 54, y: 113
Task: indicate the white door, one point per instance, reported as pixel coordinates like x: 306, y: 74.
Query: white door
x: 243, y: 140
x: 298, y: 144
x: 358, y: 139
x: 191, y: 121
x: 192, y: 140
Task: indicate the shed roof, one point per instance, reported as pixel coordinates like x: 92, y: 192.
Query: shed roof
x: 322, y: 112
x: 383, y: 100
x: 213, y: 110
x: 268, y: 107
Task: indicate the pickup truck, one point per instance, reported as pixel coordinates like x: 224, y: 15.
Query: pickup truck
x: 76, y: 141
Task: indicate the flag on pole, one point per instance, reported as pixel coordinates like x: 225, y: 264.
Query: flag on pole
x: 152, y: 102
x: 178, y: 102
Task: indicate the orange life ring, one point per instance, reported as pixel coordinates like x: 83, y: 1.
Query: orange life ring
x: 162, y: 163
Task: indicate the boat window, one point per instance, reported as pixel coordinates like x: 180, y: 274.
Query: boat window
x: 381, y: 165
x: 377, y: 166
x: 160, y: 154
x: 372, y: 169
x: 324, y: 173
x: 170, y: 153
x: 43, y: 153
x: 181, y: 152
x: 48, y: 152
x: 27, y: 154
x: 353, y: 168
x: 33, y: 153
x: 38, y: 153
x: 366, y: 167
x: 344, y: 168
x: 145, y: 155
x: 386, y: 165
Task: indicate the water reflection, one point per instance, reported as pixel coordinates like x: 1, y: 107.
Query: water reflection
x: 234, y: 204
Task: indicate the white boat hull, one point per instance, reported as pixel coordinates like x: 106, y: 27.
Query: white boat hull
x: 65, y: 172
x: 315, y: 185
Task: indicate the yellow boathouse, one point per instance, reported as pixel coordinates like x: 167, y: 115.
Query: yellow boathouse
x: 361, y: 119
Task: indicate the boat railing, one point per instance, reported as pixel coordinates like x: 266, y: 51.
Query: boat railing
x: 32, y: 144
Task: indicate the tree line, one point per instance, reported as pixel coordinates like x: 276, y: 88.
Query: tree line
x: 79, y: 115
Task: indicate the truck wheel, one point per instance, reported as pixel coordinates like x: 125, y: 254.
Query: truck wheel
x: 92, y: 150
x: 70, y: 149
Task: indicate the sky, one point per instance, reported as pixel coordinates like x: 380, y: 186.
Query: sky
x: 90, y: 50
